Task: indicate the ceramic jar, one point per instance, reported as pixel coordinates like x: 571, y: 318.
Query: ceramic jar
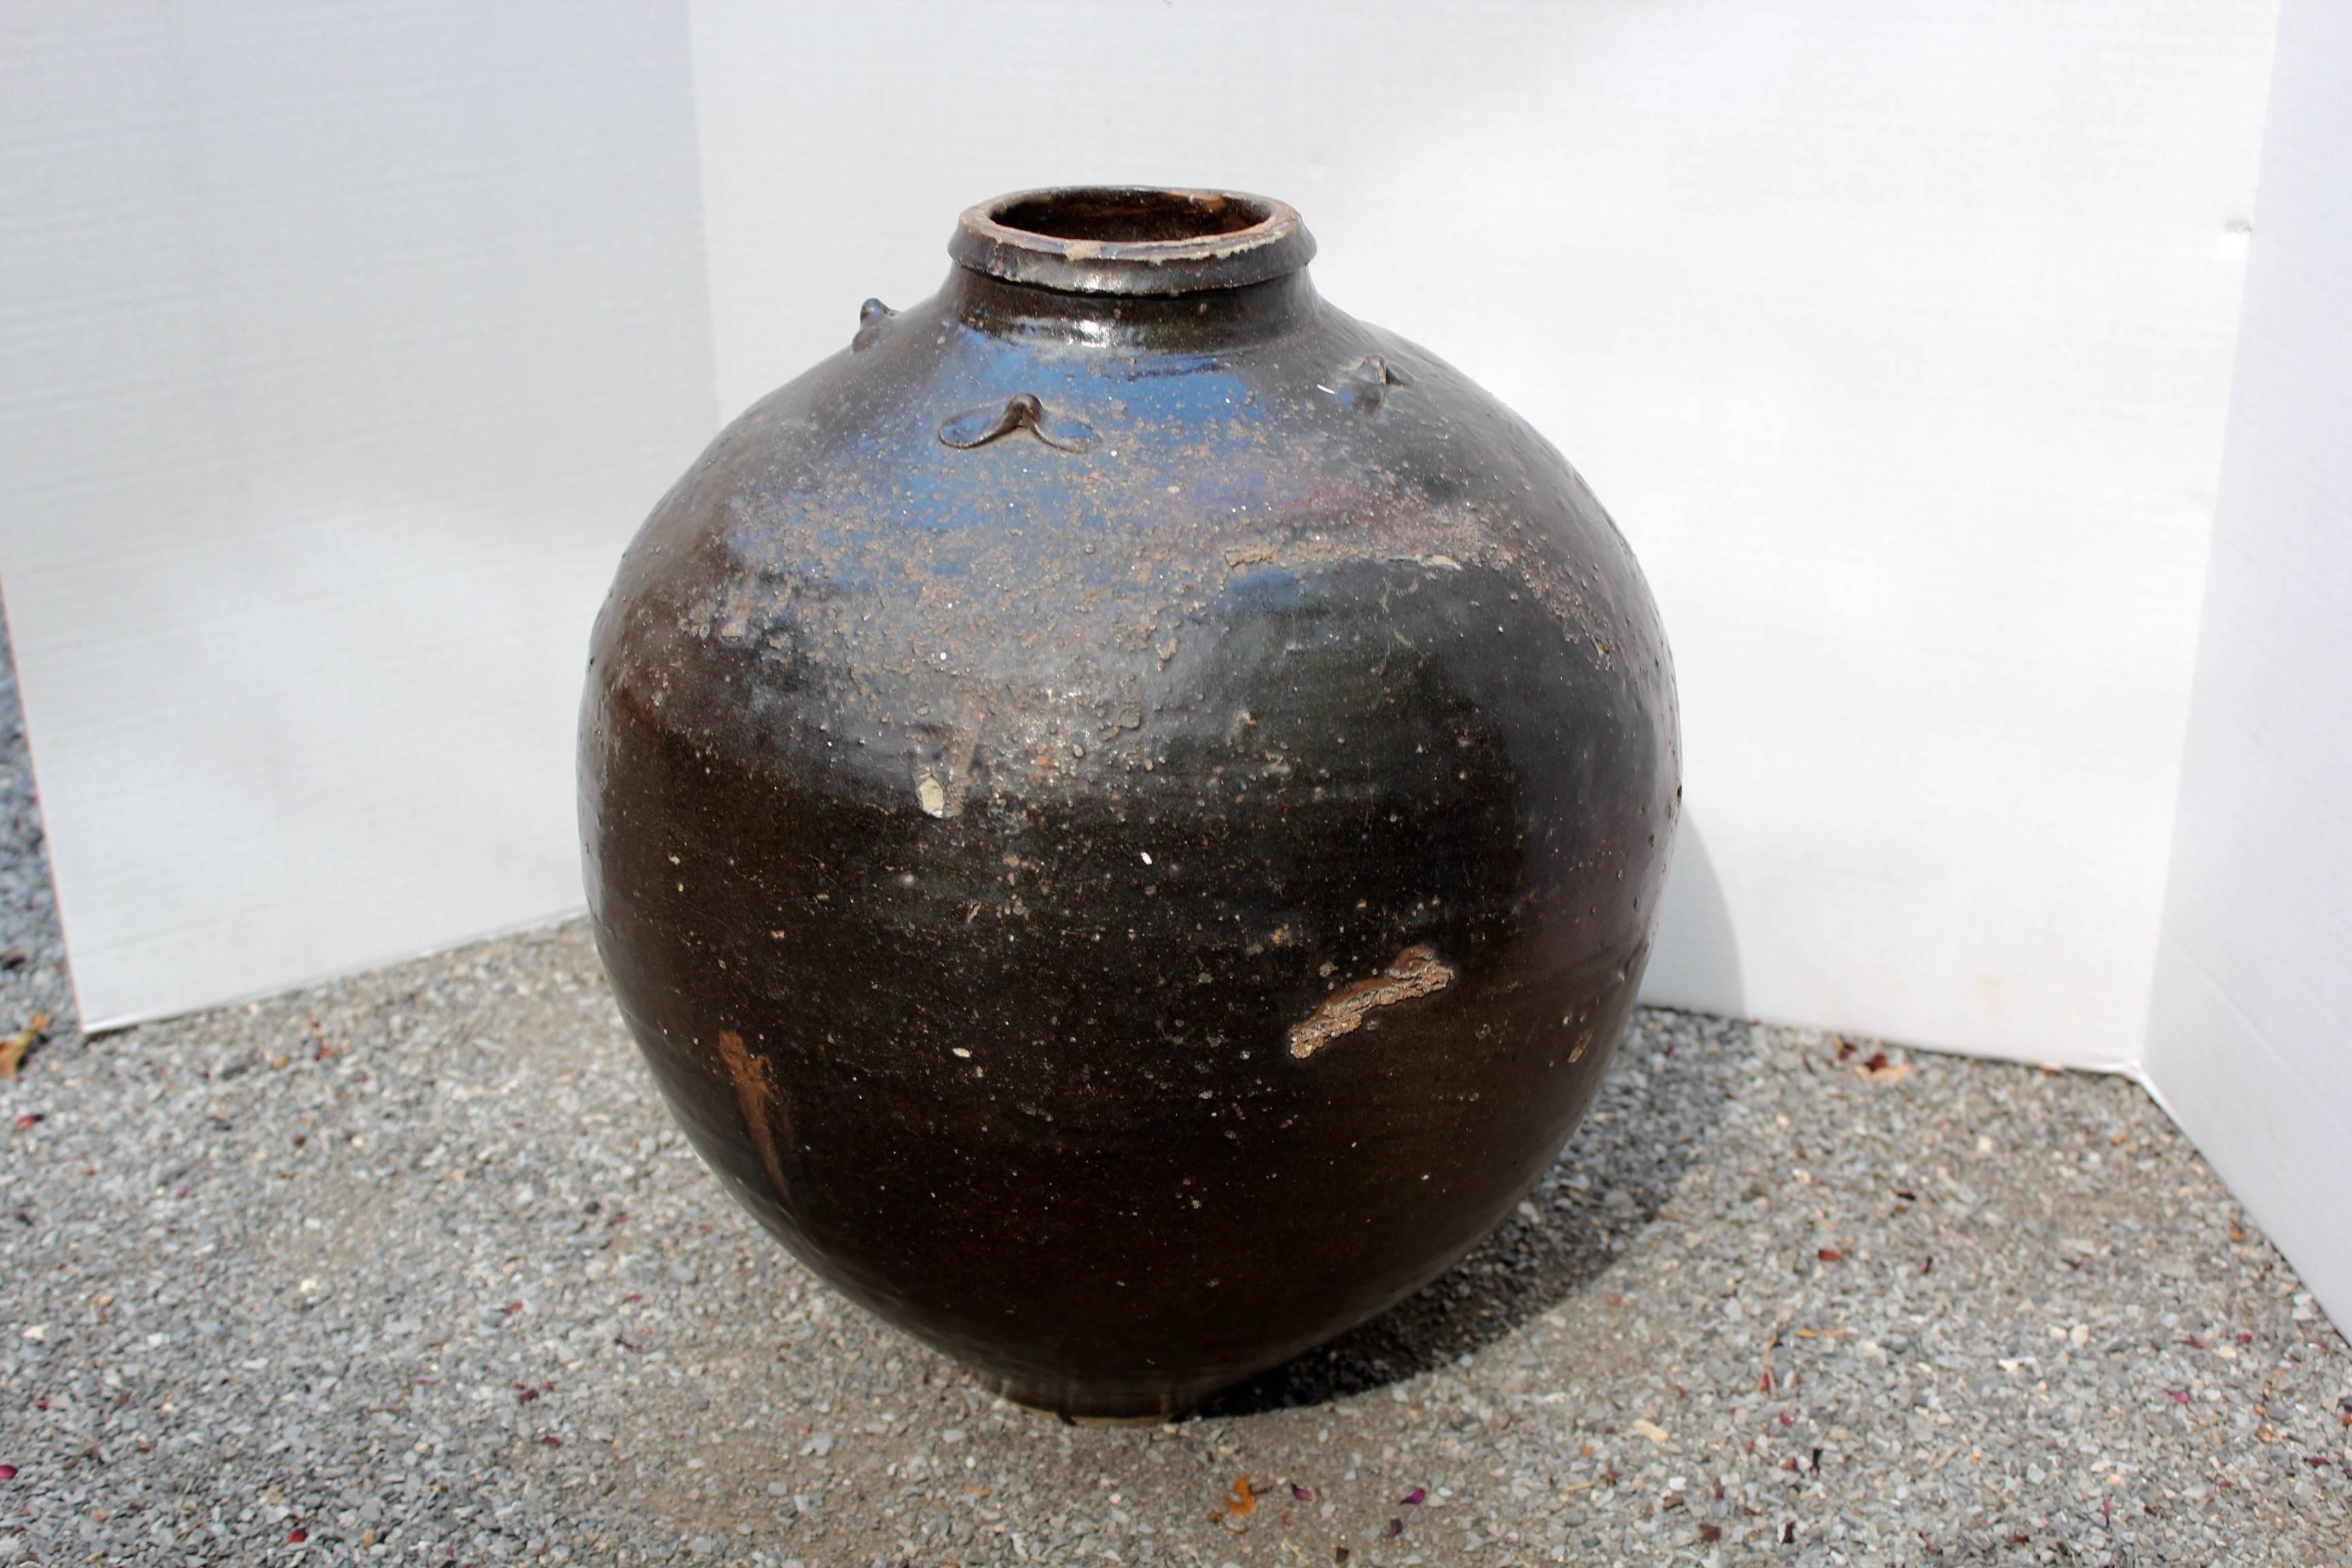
x: 1125, y: 808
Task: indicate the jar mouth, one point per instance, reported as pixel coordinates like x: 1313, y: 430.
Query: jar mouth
x: 1132, y: 239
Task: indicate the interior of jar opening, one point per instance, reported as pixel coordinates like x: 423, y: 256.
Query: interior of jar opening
x: 1130, y: 217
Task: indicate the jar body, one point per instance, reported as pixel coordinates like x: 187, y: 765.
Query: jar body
x: 1128, y: 829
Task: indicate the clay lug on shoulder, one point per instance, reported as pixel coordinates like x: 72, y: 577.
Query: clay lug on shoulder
x: 873, y: 318
x: 979, y: 427
x: 1364, y: 386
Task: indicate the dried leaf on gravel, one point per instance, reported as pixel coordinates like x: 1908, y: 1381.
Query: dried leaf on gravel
x: 1242, y: 1500
x: 13, y: 1049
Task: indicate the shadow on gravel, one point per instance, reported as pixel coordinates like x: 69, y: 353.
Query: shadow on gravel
x: 1665, y: 1092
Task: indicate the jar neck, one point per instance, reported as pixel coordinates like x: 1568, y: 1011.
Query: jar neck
x: 1199, y: 322
x: 1157, y: 268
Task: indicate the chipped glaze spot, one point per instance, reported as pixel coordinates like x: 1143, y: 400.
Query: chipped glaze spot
x: 1417, y: 972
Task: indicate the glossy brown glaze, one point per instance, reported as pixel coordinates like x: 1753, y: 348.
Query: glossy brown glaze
x: 1125, y: 808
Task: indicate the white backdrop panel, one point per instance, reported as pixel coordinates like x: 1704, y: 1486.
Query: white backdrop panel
x: 2250, y: 1044
x: 1897, y: 338
x: 344, y: 347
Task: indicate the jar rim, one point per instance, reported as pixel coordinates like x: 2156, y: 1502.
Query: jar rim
x: 1132, y: 239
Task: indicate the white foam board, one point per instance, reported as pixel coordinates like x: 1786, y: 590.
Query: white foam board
x: 343, y: 348
x: 2250, y: 1041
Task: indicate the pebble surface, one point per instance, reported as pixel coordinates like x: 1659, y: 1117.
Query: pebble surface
x: 412, y: 1269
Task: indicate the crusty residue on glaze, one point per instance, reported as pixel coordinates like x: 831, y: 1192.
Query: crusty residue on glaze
x: 1417, y: 972
x: 930, y: 795
x: 755, y: 1096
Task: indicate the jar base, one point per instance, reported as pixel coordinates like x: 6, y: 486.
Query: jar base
x: 1078, y: 1407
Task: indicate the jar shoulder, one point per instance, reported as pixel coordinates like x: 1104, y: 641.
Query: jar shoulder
x: 880, y: 548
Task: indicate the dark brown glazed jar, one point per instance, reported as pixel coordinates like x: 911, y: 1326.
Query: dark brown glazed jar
x: 1125, y: 808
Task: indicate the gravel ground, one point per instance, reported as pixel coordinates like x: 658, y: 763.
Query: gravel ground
x: 411, y: 1268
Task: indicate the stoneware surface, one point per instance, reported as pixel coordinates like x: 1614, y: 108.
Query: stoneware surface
x: 1125, y: 808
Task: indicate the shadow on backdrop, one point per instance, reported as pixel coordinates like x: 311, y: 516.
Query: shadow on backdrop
x: 1695, y: 964
x: 1674, y: 1072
